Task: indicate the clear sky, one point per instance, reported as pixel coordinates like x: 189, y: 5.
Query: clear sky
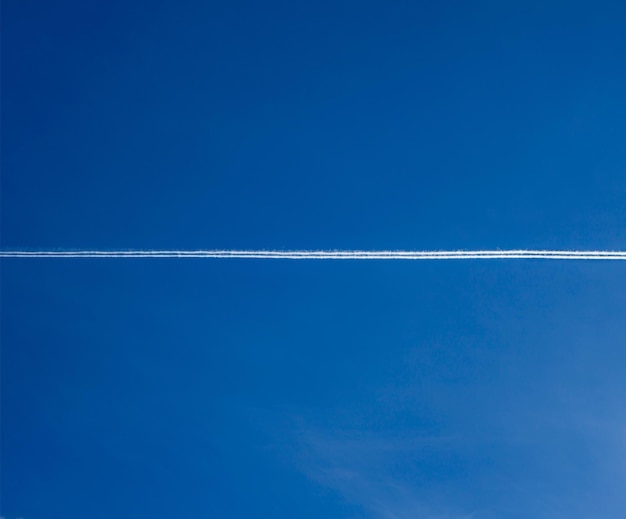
x: 377, y: 390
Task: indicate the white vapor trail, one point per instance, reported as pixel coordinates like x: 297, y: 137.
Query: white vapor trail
x: 325, y: 254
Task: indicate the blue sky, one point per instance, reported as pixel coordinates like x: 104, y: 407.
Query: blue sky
x: 382, y: 390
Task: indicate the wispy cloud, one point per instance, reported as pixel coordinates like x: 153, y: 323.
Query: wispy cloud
x: 362, y: 469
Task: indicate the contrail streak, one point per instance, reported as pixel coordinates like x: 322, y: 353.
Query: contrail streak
x: 325, y: 254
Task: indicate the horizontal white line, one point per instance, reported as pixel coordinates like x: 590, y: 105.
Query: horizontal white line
x: 325, y: 254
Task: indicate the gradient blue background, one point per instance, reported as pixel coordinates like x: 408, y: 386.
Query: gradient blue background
x: 383, y: 390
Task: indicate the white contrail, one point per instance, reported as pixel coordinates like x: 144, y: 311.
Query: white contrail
x: 325, y: 254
